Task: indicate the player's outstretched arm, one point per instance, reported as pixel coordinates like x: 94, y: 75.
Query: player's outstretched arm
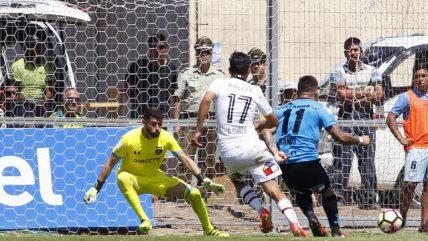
x: 202, y: 180
x: 92, y: 193
x: 347, y: 138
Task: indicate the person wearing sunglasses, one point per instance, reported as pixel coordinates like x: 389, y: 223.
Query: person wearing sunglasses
x: 69, y: 108
x: 192, y: 83
x: 152, y: 79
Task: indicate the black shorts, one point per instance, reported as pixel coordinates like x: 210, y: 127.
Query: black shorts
x: 305, y: 177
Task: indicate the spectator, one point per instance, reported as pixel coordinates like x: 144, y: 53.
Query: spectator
x: 192, y: 84
x: 151, y: 80
x: 34, y: 76
x: 287, y: 93
x: 69, y: 108
x: 258, y: 68
x: 413, y: 104
x: 10, y: 106
x: 298, y: 134
x: 358, y: 87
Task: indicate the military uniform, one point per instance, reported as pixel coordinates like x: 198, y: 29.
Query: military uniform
x: 192, y: 85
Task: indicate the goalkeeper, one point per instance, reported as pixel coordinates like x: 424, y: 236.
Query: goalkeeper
x: 142, y: 151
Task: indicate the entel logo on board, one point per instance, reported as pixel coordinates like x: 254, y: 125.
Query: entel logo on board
x: 27, y: 178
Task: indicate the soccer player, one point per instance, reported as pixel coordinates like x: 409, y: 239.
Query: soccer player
x: 413, y: 104
x: 142, y: 151
x: 236, y: 105
x: 298, y: 134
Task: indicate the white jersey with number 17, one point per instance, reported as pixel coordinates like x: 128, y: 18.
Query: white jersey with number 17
x: 236, y: 106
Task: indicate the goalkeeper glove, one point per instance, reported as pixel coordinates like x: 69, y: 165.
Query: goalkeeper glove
x: 92, y: 193
x: 209, y: 184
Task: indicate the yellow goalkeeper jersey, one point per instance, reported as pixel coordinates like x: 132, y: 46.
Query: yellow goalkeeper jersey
x: 142, y: 156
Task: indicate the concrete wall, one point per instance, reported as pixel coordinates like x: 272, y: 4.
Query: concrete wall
x: 311, y: 35
x: 311, y: 32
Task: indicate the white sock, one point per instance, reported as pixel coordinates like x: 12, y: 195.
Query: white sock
x: 249, y: 196
x: 286, y: 208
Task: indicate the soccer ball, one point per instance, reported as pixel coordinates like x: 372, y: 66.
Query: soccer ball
x: 390, y: 221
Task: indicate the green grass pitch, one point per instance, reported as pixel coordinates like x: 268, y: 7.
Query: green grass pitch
x: 369, y: 235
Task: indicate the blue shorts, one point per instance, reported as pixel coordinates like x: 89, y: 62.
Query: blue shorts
x: 416, y: 166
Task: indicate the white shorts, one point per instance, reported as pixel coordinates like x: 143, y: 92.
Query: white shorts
x: 416, y: 166
x: 254, y: 159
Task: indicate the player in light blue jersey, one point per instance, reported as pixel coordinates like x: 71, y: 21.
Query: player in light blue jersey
x: 298, y: 134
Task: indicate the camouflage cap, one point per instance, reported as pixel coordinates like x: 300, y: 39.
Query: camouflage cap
x: 204, y: 43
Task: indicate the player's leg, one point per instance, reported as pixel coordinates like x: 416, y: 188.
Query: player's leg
x: 329, y: 201
x: 249, y: 197
x: 247, y: 194
x: 424, y: 211
x: 296, y: 176
x: 305, y: 203
x: 415, y: 171
x: 320, y: 183
x: 271, y: 188
x: 406, y: 197
x: 265, y: 174
x: 193, y: 196
x: 128, y: 185
x: 237, y: 162
x: 284, y: 205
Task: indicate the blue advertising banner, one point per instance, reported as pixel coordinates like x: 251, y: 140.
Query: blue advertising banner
x: 44, y: 174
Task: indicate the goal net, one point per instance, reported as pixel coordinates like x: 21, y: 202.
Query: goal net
x: 105, y: 52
